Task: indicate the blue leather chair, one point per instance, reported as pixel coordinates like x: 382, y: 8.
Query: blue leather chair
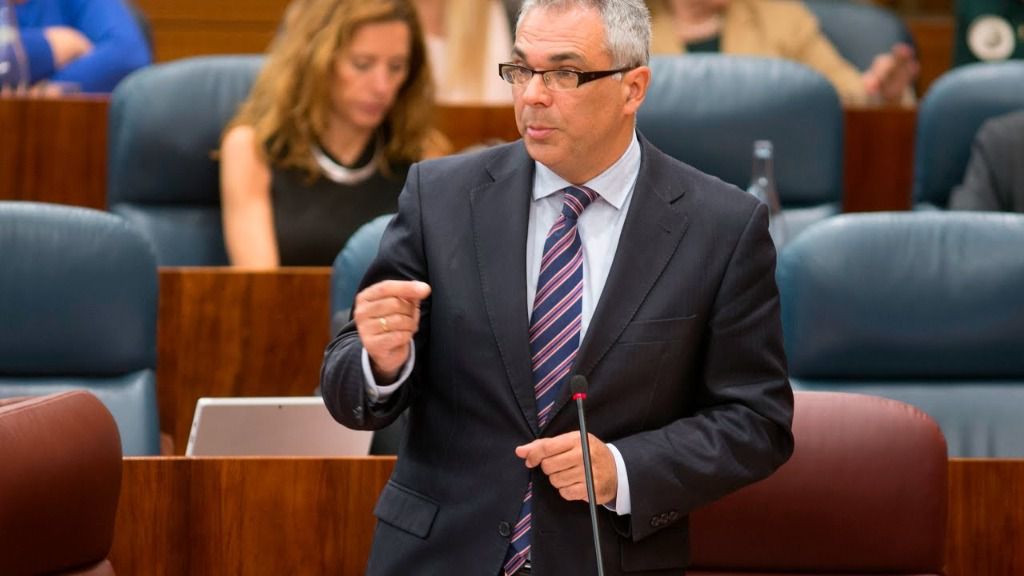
x: 922, y: 307
x: 165, y: 124
x: 956, y: 105
x: 859, y: 31
x: 707, y: 110
x: 78, y: 298
x: 348, y: 271
x: 350, y: 266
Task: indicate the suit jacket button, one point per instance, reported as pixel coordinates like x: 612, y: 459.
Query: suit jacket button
x: 504, y: 529
x: 357, y: 411
x: 655, y: 522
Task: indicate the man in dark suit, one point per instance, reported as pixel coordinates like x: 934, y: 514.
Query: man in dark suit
x: 580, y: 249
x: 994, y: 180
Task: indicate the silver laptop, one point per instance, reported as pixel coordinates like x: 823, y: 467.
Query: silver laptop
x: 271, y: 426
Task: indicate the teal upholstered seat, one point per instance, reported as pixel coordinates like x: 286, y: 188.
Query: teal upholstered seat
x: 78, y: 299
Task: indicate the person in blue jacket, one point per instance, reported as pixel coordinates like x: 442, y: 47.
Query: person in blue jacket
x: 88, y: 45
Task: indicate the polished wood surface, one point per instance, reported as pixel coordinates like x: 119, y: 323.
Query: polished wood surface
x: 879, y: 158
x: 986, y: 518
x: 254, y: 516
x: 225, y: 332
x: 246, y: 516
x: 184, y: 28
x: 935, y: 38
x: 467, y: 126
x: 54, y: 150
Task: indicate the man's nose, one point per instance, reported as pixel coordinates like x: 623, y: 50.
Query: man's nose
x: 535, y: 90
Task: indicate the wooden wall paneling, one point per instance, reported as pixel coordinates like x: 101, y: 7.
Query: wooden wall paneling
x: 216, y: 11
x: 227, y: 332
x: 879, y: 158
x: 174, y: 40
x: 986, y: 518
x: 249, y: 516
x: 185, y: 28
x: 54, y: 150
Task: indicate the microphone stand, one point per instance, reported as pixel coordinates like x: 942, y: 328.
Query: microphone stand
x: 578, y: 385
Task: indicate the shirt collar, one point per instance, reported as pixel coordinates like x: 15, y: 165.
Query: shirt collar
x: 613, y: 185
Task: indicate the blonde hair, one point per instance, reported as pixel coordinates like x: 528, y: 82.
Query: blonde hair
x: 289, y: 105
x: 466, y: 22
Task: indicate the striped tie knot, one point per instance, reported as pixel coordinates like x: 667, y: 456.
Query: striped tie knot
x: 576, y: 201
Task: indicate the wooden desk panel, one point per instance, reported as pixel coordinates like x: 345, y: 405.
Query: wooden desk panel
x: 247, y: 516
x: 224, y: 332
x: 256, y: 516
x: 986, y: 518
x: 935, y: 37
x: 878, y: 171
x: 472, y: 125
x: 54, y: 150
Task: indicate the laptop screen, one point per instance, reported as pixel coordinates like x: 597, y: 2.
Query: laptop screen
x: 271, y: 426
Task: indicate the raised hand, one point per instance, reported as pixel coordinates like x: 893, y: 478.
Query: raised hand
x: 387, y: 316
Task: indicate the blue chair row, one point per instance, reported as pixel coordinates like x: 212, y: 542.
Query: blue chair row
x: 922, y: 307
x: 78, y: 299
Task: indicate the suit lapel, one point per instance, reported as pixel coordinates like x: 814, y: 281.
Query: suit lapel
x: 652, y: 232
x: 500, y: 212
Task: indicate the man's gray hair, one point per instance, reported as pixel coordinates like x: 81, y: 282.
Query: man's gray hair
x: 627, y: 26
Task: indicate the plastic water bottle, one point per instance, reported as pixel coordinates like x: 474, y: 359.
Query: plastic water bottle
x: 13, y: 63
x: 762, y: 187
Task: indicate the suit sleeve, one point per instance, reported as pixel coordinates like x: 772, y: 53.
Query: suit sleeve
x: 342, y: 380
x: 984, y: 186
x: 741, y: 430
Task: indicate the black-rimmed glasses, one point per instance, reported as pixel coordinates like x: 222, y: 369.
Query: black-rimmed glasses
x: 517, y: 75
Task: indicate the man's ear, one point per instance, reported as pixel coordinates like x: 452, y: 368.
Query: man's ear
x: 634, y: 83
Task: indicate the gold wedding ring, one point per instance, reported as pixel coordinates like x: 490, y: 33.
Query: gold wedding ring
x: 383, y: 323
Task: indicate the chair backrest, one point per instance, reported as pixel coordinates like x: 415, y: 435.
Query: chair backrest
x: 948, y: 117
x: 708, y: 109
x: 859, y: 31
x: 864, y: 492
x: 350, y: 266
x: 923, y: 307
x: 165, y: 124
x: 59, y: 485
x: 78, y: 298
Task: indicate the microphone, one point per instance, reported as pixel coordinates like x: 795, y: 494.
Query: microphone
x: 578, y: 385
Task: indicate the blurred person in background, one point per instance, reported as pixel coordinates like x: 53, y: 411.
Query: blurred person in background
x: 994, y: 180
x: 337, y: 115
x: 80, y: 45
x: 782, y: 29
x: 465, y: 41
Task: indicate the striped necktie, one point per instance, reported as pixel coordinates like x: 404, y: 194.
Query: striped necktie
x: 554, y: 333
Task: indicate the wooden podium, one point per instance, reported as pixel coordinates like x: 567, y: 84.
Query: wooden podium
x: 256, y: 516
